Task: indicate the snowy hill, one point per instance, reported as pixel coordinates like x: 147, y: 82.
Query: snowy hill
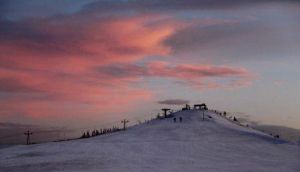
x: 215, y: 144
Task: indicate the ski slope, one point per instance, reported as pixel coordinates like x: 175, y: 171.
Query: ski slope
x: 215, y: 144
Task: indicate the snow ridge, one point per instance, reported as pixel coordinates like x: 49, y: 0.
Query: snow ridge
x: 161, y: 145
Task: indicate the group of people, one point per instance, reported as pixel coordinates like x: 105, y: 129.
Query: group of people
x: 180, y: 119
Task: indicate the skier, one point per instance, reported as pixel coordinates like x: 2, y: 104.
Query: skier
x: 180, y: 119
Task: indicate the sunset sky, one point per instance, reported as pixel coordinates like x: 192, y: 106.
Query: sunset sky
x: 80, y: 63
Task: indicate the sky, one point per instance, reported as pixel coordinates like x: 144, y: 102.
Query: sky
x: 74, y: 63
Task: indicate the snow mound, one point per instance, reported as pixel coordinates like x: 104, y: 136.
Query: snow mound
x: 215, y: 144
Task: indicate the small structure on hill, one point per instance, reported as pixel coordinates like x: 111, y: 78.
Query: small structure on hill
x: 165, y: 110
x: 200, y: 106
x: 187, y: 107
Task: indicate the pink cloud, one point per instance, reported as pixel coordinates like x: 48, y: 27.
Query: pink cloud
x: 207, y: 76
x: 51, y: 64
x: 195, y: 71
x: 199, y: 76
x: 56, y: 67
x: 71, y: 45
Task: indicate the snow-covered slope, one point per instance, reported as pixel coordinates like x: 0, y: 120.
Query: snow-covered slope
x: 215, y: 144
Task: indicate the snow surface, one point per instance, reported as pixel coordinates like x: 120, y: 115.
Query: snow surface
x: 215, y: 144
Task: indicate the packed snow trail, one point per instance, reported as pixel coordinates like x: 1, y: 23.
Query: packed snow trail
x: 215, y: 144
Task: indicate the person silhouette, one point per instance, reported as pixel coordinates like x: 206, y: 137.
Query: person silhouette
x: 180, y: 119
x: 174, y: 119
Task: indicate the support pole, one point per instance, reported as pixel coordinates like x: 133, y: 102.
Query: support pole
x: 28, y: 137
x: 165, y: 112
x: 124, y: 123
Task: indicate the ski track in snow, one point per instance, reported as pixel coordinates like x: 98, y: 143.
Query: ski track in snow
x: 215, y: 144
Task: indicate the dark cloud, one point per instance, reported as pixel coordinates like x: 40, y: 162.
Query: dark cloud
x: 123, y: 70
x: 18, y: 9
x: 174, y: 102
x: 197, y: 36
x: 65, y: 35
x: 169, y: 5
x: 39, y: 38
x: 249, y: 39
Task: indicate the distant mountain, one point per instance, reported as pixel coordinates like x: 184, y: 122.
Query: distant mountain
x: 286, y: 133
x: 13, y: 133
